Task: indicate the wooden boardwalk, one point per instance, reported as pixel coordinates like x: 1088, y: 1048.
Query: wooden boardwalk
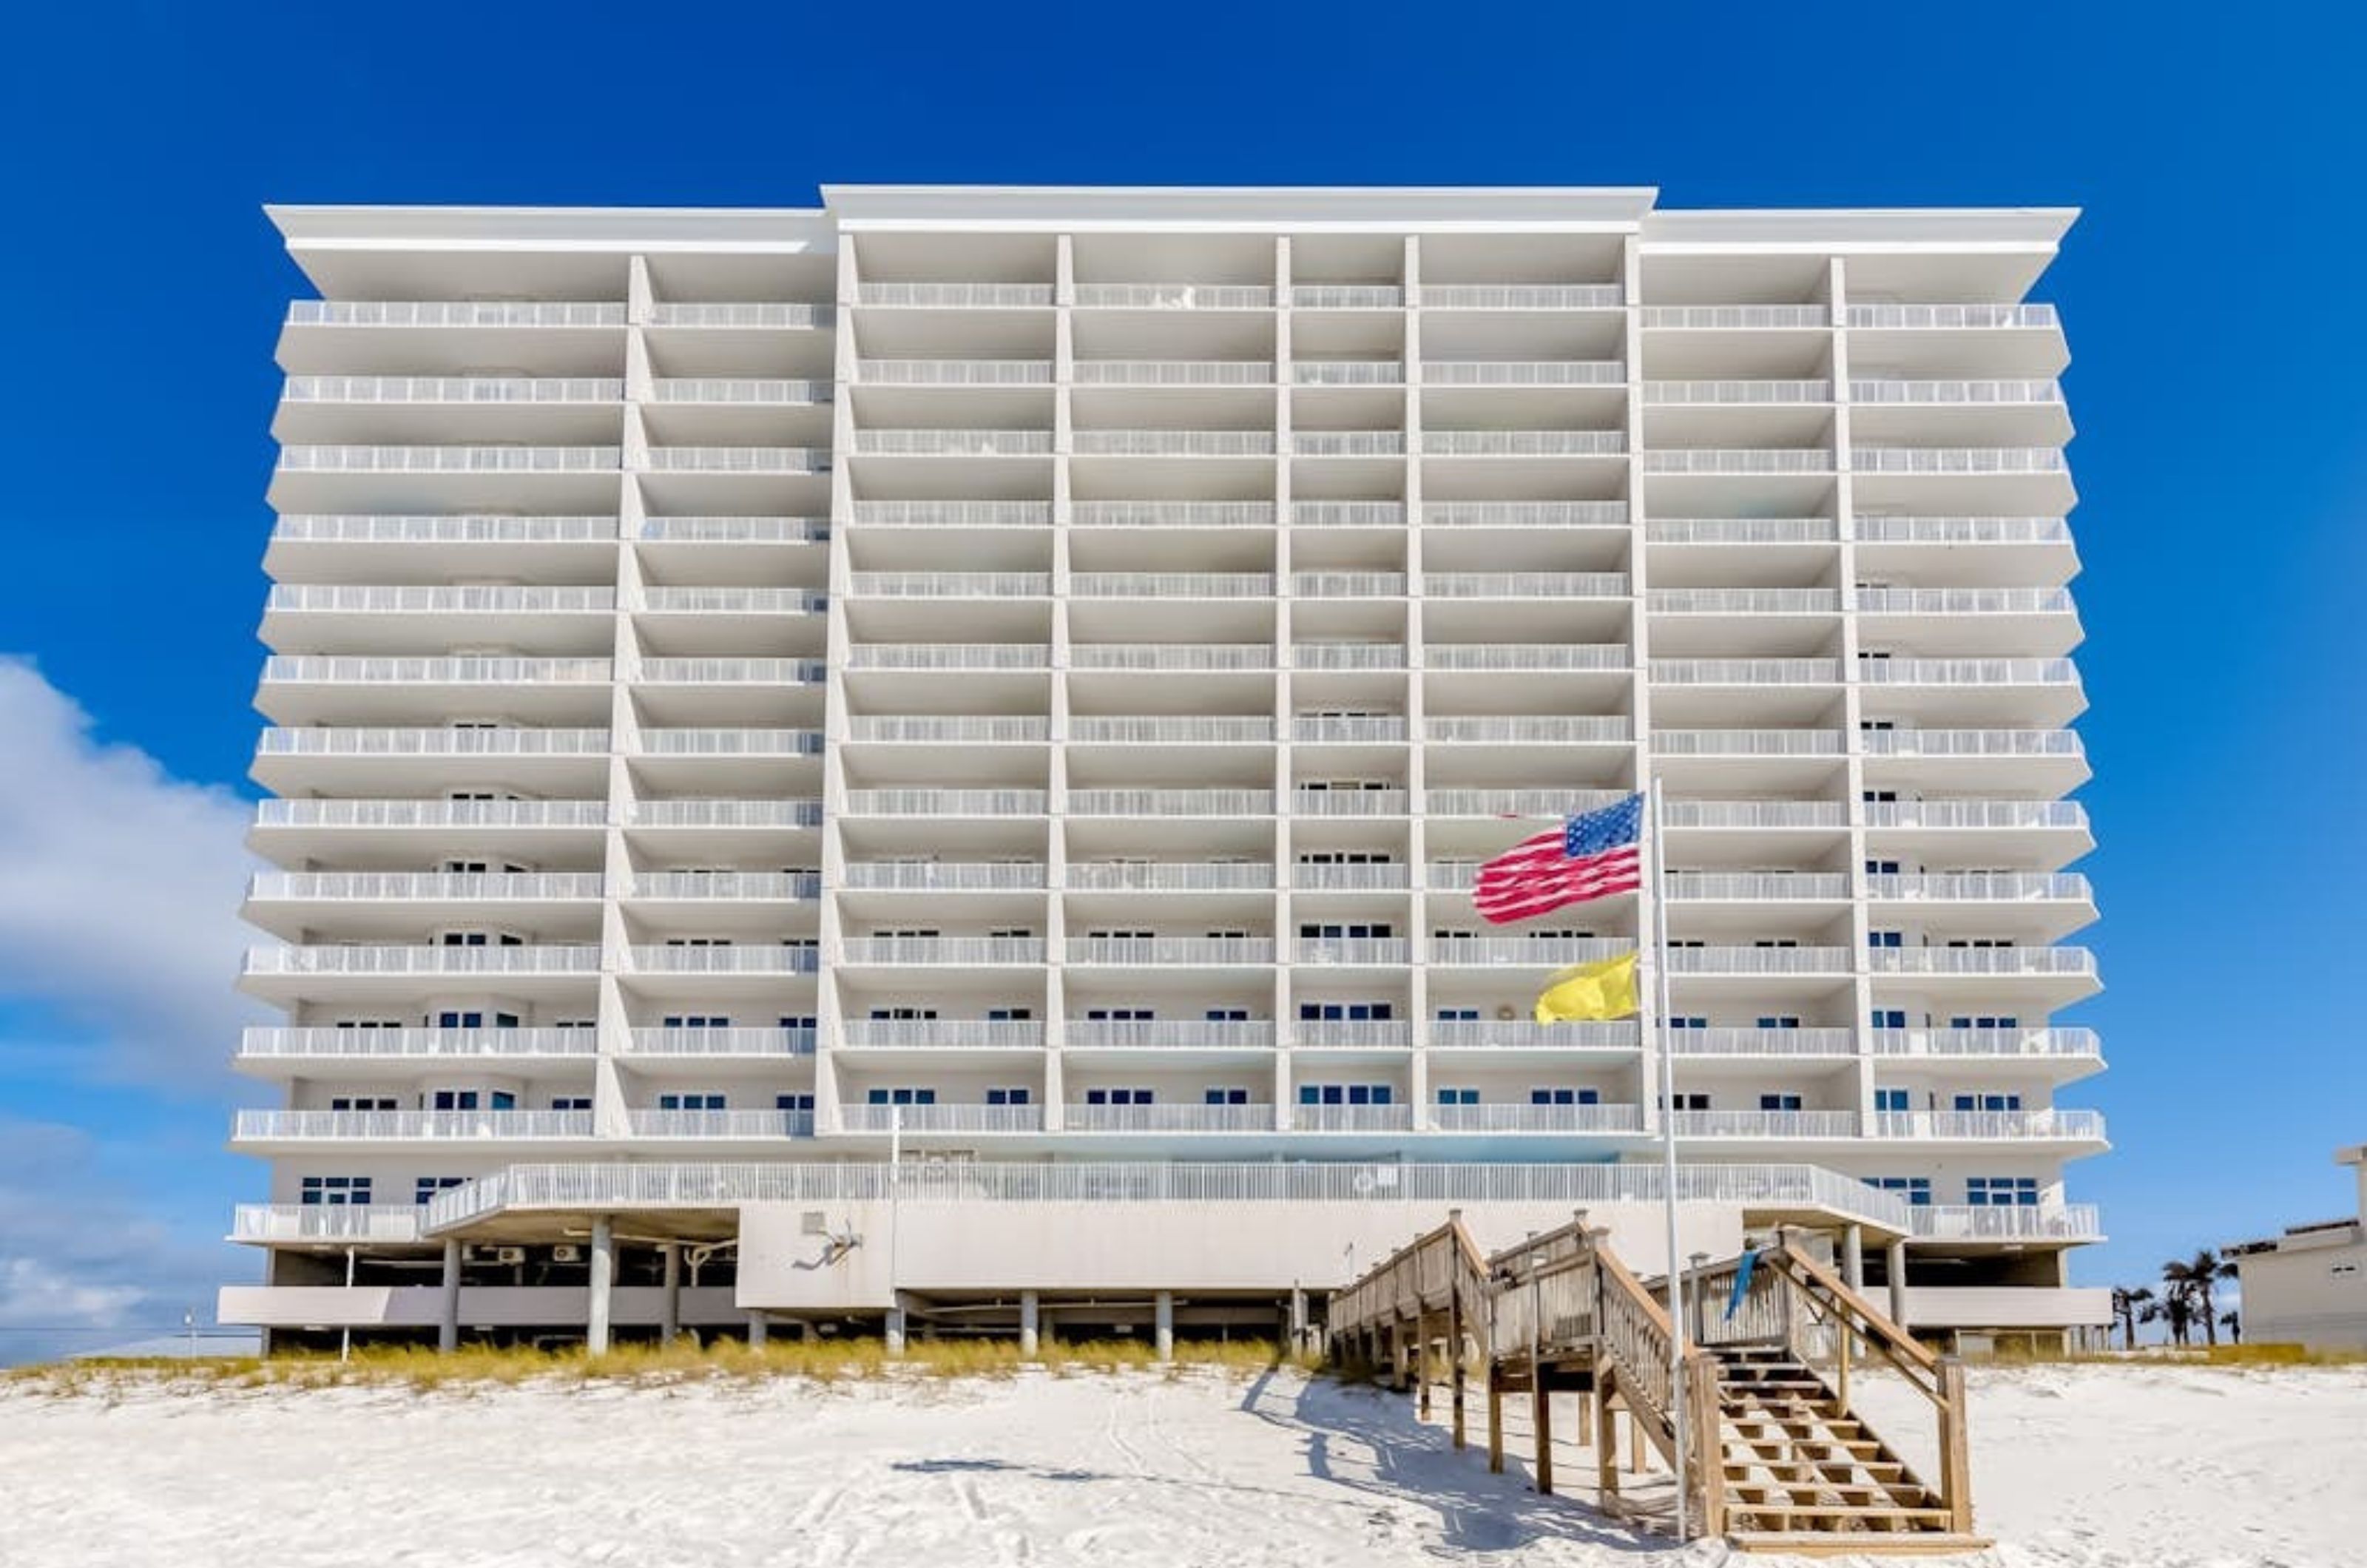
x: 1777, y: 1458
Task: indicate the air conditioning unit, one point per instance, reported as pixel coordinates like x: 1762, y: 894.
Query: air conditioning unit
x: 477, y: 1254
x: 509, y: 1255
x: 567, y: 1252
x: 1504, y: 1014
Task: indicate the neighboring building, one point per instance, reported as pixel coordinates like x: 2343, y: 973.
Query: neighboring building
x: 1025, y: 676
x: 2309, y: 1285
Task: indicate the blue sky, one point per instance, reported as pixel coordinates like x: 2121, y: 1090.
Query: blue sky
x: 2210, y: 293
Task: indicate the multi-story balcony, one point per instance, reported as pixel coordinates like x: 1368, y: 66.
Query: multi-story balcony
x: 1735, y: 318
x: 314, y: 689
x: 741, y: 391
x: 1716, y: 393
x: 966, y: 1035
x: 1173, y: 513
x: 761, y: 960
x: 1437, y: 372
x: 993, y: 951
x: 1174, y: 372
x: 2042, y: 761
x: 1526, y: 585
x: 1524, y: 513
x: 954, y: 442
x: 1173, y: 442
x: 1727, y: 1042
x: 732, y: 1042
x: 1521, y: 297
x: 1254, y: 1118
x: 455, y: 313
x: 708, y: 1126
x: 348, y: 619
x: 1349, y: 802
x: 1755, y: 886
x: 1531, y: 952
x: 2052, y: 1125
x: 1173, y: 296
x: 1523, y: 444
x: 1352, y: 951
x: 293, y: 904
x: 707, y: 887
x: 945, y: 803
x: 1519, y: 1034
x: 949, y: 656
x: 1527, y: 730
x: 1518, y: 656
x: 1746, y: 672
x: 964, y: 1119
x: 734, y: 460
x: 1351, y: 1117
x: 725, y: 814
x: 736, y: 315
x: 954, y: 514
x: 963, y: 372
x: 1177, y: 657
x: 1002, y: 730
x: 944, y: 877
x: 1170, y: 803
x: 1215, y: 729
x: 1168, y: 876
x: 265, y: 1131
x: 303, y: 1051
x: 2068, y: 1222
x: 1160, y: 1035
x: 950, y: 584
x: 1623, y: 1119
x: 284, y: 973
x: 389, y: 1224
x: 956, y: 296
x: 1987, y: 1045
x: 1208, y: 951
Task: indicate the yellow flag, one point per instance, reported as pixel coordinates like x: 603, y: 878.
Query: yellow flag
x: 1605, y: 988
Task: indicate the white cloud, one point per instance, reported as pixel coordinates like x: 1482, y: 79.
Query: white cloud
x: 118, y: 890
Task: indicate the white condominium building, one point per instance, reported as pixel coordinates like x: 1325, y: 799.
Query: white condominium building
x: 1016, y: 683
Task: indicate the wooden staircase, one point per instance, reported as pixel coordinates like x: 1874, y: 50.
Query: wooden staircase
x: 1803, y: 1473
x: 1776, y: 1457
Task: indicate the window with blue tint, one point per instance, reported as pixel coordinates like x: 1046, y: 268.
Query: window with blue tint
x: 792, y: 1102
x: 1778, y: 1102
x: 1891, y: 1099
x: 697, y: 1021
x: 1227, y: 1097
x: 1458, y: 1015
x: 1120, y: 1096
x: 1229, y: 1015
x: 571, y: 1103
x: 2001, y: 1191
x: 427, y: 1187
x: 1882, y: 868
x: 796, y: 1022
x: 1984, y: 1021
x: 362, y: 1102
x: 1458, y: 1097
x: 453, y: 1099
x: 1010, y: 1015
x: 691, y: 1102
x: 1916, y: 1190
x: 1889, y: 1018
x: 1688, y: 1020
x: 900, y: 1097
x: 1779, y: 1020
x: 502, y: 1099
x: 1006, y: 1097
x: 1565, y: 1096
x: 1885, y: 939
x: 1119, y: 1015
x: 336, y: 1191
x: 1987, y: 1102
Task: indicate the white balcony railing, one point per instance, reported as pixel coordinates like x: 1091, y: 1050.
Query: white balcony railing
x: 1747, y: 742
x: 431, y: 813
x: 1509, y: 656
x: 1367, y: 729
x: 1951, y: 316
x: 986, y: 950
x: 745, y: 887
x: 1167, y: 1118
x: 452, y: 389
x: 1541, y: 729
x: 1523, y: 372
x: 389, y: 528
x: 1348, y: 584
x: 736, y: 459
x: 1766, y: 1123
x: 992, y: 730
x: 756, y: 390
x: 954, y: 442
x: 641, y: 1121
x: 1754, y: 886
x: 1176, y: 876
x: 1174, y: 372
x: 1524, y: 513
x: 1970, y: 743
x: 955, y: 372
x: 1354, y: 949
x: 326, y: 1221
x: 1351, y: 1117
x: 1522, y: 951
x: 1724, y: 318
x: 724, y: 1040
x: 1173, y: 442
x: 1834, y: 961
x: 2034, y: 961
x: 956, y: 514
x: 313, y: 670
x: 1757, y: 814
x: 1173, y: 296
x: 1738, y: 460
x: 1985, y: 1043
x: 728, y: 672
x: 1249, y: 950
x: 950, y: 584
x: 1523, y: 443
x: 391, y: 959
x: 326, y: 460
x: 2052, y: 1125
x: 1741, y: 531
x: 1522, y: 295
x: 1524, y: 584
x: 1171, y: 803
x: 734, y: 530
x: 1983, y: 886
x: 727, y: 743
x: 1348, y: 443
x: 959, y: 296
x: 1763, y: 1042
x: 1965, y: 600
x: 1347, y: 297
x: 1467, y: 1034
x: 470, y: 599
x: 375, y: 886
x: 1178, y: 656
x: 1348, y: 513
x: 1173, y: 513
x: 1722, y: 392
x: 1545, y: 803
x: 1215, y: 729
x: 1256, y: 1033
x: 1985, y: 672
x: 1976, y: 814
x: 961, y: 1033
x: 412, y: 1044
x: 949, y: 656
x: 1349, y: 802
x: 454, y: 313
x: 1538, y: 1118
x: 948, y: 876
x: 1958, y: 460
x: 1946, y: 393
x: 724, y: 813
x: 2066, y: 1221
x: 1328, y: 1034
x: 947, y: 802
x: 1746, y: 672
x: 1348, y: 372
x: 739, y: 958
x: 263, y: 1126
x: 1320, y: 876
x: 942, y: 1118
x: 1962, y: 530
x: 774, y: 313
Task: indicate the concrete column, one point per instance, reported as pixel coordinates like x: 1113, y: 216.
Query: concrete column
x: 603, y: 1278
x: 1027, y: 1323
x: 895, y: 1332
x: 1164, y: 1325
x: 759, y: 1327
x: 670, y: 1306
x: 1894, y: 1259
x: 1854, y: 1256
x: 1297, y: 1319
x: 447, y: 1326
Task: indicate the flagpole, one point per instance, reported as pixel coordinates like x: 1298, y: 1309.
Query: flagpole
x: 1661, y: 1034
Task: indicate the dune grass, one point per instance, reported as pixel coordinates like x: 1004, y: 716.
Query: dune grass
x: 484, y: 1366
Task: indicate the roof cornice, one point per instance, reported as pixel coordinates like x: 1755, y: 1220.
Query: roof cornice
x: 552, y: 227
x: 1298, y: 207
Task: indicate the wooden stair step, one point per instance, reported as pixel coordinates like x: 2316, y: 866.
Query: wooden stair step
x: 1816, y: 1543
x: 1873, y: 1512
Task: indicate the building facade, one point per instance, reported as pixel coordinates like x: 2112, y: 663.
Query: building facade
x: 1016, y: 683
x: 2308, y: 1285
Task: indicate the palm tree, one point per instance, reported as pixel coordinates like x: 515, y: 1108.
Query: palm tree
x: 2233, y: 1321
x: 2174, y: 1307
x: 2193, y: 1277
x: 2125, y: 1302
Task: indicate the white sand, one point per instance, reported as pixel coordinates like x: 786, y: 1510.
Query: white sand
x: 2118, y: 1466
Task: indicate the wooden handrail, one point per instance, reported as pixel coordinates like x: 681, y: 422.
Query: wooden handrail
x: 1877, y: 1325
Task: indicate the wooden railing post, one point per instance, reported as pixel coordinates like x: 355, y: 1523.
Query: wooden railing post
x: 1955, y: 1453
x: 1454, y: 1350
x: 1708, y: 1445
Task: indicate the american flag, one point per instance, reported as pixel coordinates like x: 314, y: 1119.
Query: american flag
x: 1590, y: 856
